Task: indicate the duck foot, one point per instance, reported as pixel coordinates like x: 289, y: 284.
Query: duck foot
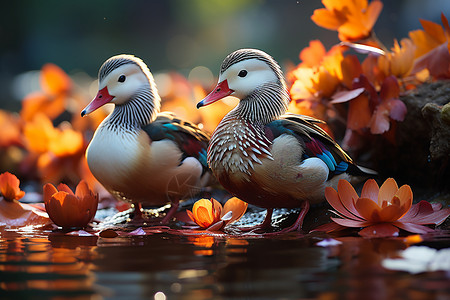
x: 263, y: 227
x: 297, y: 226
x: 138, y: 218
x: 169, y: 216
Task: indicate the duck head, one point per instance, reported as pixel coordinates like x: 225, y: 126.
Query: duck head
x: 122, y: 78
x: 256, y: 79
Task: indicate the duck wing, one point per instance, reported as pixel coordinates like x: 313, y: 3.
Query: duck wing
x: 314, y: 141
x: 190, y: 139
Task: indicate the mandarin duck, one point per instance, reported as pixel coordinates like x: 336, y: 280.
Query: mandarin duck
x: 138, y: 154
x: 263, y: 155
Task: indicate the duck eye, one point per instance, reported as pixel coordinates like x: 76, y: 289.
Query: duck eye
x: 122, y: 78
x: 242, y: 73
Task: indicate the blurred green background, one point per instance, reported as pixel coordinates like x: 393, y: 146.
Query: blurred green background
x: 169, y: 35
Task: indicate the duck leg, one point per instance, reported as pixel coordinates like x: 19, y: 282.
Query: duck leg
x: 138, y: 218
x: 173, y: 209
x: 265, y: 225
x: 297, y: 226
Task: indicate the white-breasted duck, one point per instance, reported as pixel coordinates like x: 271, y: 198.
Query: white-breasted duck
x: 262, y: 154
x: 138, y: 154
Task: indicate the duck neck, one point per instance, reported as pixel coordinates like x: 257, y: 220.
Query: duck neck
x: 139, y: 111
x: 264, y: 105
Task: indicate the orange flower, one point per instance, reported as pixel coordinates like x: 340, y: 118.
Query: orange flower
x: 210, y: 215
x: 400, y: 61
x: 369, y: 109
x: 432, y: 36
x: 41, y: 137
x: 9, y: 187
x: 10, y: 129
x: 67, y: 209
x: 381, y: 210
x: 56, y: 151
x: 56, y: 86
x: 353, y: 19
x: 432, y: 48
x: 319, y: 74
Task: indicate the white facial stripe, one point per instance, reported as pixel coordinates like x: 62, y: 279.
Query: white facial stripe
x: 258, y: 73
x: 135, y: 79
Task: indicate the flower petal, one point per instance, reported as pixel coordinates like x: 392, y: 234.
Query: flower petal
x: 379, y: 230
x: 350, y: 223
x: 436, y: 217
x: 370, y: 190
x: 206, y: 203
x: 333, y: 199
x: 391, y: 213
x: 397, y: 109
x: 227, y: 217
x: 387, y: 191
x: 82, y: 189
x: 237, y: 207
x: 405, y: 195
x: 380, y: 122
x: 344, y: 96
x: 418, y: 211
x: 217, y: 209
x: 348, y: 196
x: 65, y: 188
x: 368, y: 209
x: 54, y: 80
x: 190, y: 215
x: 359, y: 114
x: 9, y: 187
x: 436, y: 206
x: 14, y: 213
x: 204, y: 218
x: 329, y: 227
x: 372, y: 13
x: 412, y: 212
x: 325, y: 18
x: 54, y: 209
x: 49, y: 191
x: 216, y: 226
x: 411, y: 227
x: 389, y: 88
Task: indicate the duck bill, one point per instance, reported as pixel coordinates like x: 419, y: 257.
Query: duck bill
x: 101, y: 99
x: 220, y: 91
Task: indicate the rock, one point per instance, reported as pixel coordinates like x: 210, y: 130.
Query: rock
x: 420, y: 155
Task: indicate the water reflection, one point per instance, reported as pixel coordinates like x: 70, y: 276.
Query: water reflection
x: 164, y: 266
x: 32, y: 268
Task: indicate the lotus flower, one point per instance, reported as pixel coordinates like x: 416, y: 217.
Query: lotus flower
x: 9, y: 187
x: 210, y: 215
x: 67, y: 209
x: 381, y: 210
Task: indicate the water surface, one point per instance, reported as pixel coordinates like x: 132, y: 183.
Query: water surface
x: 38, y: 264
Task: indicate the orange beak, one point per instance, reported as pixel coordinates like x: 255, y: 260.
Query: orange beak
x: 101, y: 99
x: 220, y: 91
